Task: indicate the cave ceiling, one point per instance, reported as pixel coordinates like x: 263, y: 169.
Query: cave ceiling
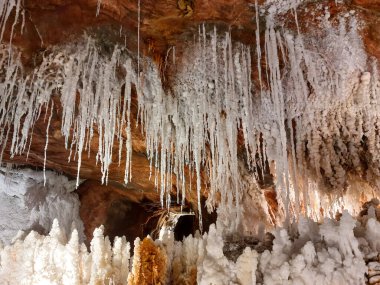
x: 163, y: 25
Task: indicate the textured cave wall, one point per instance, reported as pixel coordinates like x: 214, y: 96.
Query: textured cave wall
x: 132, y: 213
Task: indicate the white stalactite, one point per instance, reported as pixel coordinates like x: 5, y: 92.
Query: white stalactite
x: 311, y: 122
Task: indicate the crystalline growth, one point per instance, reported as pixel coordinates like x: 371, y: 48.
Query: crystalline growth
x: 28, y: 205
x: 329, y: 254
x: 90, y: 96
x: 52, y: 260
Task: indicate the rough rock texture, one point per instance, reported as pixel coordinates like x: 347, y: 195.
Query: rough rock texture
x: 130, y: 212
x: 118, y: 209
x: 163, y: 23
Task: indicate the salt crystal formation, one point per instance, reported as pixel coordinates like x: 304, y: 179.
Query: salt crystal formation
x: 53, y: 259
x: 335, y: 252
x: 6, y: 8
x: 316, y: 109
x: 102, y: 104
x: 312, y: 115
x: 26, y: 204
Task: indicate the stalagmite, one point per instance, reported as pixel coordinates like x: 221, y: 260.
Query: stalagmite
x: 330, y: 253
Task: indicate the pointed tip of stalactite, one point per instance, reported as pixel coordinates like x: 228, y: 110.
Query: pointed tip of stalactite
x: 99, y: 3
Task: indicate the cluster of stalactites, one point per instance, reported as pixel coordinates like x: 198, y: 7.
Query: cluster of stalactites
x: 7, y: 7
x: 311, y: 79
x: 102, y: 105
x: 197, y: 126
x: 322, y: 104
x: 188, y: 129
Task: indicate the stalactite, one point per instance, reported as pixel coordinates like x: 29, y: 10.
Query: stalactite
x: 195, y: 126
x: 47, y: 136
x: 98, y: 6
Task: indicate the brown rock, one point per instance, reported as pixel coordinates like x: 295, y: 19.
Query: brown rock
x: 124, y: 211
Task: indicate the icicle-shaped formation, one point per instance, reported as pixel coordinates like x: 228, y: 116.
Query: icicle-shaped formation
x: 316, y: 113
x: 272, y: 42
x: 328, y: 102
x: 99, y: 4
x: 83, y: 73
x: 198, y: 125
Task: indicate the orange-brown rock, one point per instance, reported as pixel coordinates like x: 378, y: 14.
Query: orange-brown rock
x: 163, y: 25
x: 128, y: 212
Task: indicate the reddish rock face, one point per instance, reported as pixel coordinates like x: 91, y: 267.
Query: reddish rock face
x: 130, y: 212
x: 374, y: 4
x: 123, y: 211
x: 163, y: 23
x: 371, y: 33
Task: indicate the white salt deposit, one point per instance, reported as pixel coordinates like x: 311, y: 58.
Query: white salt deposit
x: 334, y: 252
x: 26, y: 204
x: 6, y: 8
